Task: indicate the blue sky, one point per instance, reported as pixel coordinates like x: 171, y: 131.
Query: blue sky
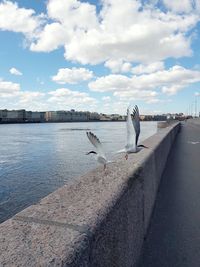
x: 100, y: 55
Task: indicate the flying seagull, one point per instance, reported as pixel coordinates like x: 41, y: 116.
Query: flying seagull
x: 133, y: 132
x: 99, y: 153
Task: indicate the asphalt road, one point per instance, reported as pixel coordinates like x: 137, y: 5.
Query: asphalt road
x: 173, y: 238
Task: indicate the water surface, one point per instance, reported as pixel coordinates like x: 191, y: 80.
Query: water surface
x: 36, y: 159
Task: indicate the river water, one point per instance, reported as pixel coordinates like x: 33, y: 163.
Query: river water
x: 36, y: 159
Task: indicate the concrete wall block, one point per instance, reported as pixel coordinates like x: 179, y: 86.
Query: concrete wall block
x: 98, y: 221
x: 30, y: 243
x: 119, y: 239
x: 149, y: 188
x: 161, y: 153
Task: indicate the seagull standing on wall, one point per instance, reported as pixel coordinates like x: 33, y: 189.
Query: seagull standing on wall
x: 133, y: 132
x: 99, y: 155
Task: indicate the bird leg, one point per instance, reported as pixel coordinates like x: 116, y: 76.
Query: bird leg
x: 104, y: 167
x: 126, y: 156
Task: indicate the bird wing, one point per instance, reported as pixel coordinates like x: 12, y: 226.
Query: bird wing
x: 96, y: 143
x: 136, y: 123
x: 131, y: 135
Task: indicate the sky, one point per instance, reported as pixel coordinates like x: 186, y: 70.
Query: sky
x: 100, y: 55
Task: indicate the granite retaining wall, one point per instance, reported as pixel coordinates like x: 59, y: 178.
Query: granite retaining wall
x: 99, y: 221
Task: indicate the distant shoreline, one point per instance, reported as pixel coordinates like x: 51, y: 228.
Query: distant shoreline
x: 31, y: 122
x: 34, y: 122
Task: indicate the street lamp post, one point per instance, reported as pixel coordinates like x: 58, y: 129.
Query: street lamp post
x: 197, y: 112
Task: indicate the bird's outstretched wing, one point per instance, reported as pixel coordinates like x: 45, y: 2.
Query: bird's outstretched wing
x: 136, y: 123
x: 96, y: 143
x: 131, y: 135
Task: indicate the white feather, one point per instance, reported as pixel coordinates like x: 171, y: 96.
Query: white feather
x: 96, y: 143
x: 131, y: 136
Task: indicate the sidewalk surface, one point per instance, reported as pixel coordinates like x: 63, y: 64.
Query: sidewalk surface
x: 173, y: 238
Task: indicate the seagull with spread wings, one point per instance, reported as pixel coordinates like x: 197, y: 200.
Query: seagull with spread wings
x: 133, y: 132
x: 99, y: 153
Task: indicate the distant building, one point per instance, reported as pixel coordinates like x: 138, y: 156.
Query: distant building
x: 19, y: 116
x: 159, y: 117
x: 153, y: 117
x: 3, y: 115
x: 68, y: 116
x: 58, y: 116
x: 115, y: 117
x: 93, y: 116
x: 142, y: 117
x: 35, y: 116
x: 111, y: 117
x: 80, y: 116
x: 10, y: 116
x: 104, y: 117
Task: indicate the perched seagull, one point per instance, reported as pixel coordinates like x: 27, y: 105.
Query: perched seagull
x: 99, y: 155
x: 133, y: 132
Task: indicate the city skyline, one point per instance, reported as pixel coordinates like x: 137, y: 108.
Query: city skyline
x: 26, y: 116
x: 99, y: 55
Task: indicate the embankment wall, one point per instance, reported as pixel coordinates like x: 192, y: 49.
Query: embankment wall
x: 99, y: 221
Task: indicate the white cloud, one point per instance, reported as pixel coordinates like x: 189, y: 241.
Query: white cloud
x: 29, y: 96
x: 106, y: 98
x: 197, y: 94
x: 112, y: 82
x: 73, y: 13
x: 12, y: 97
x: 153, y: 67
x: 146, y: 95
x: 172, y: 90
x: 8, y: 89
x: 179, y: 6
x: 13, y: 18
x: 14, y: 71
x: 64, y: 92
x: 64, y: 98
x: 114, y: 106
x: 117, y: 66
x: 69, y: 17
x: 145, y: 86
x: 123, y: 88
x: 143, y: 35
x: 52, y: 37
x: 72, y: 76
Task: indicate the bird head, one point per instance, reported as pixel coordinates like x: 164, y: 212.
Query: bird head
x: 143, y: 146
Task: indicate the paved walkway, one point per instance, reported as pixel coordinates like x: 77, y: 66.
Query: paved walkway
x: 173, y: 238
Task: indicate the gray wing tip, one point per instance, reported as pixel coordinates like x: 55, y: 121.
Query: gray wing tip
x: 135, y: 111
x: 90, y: 134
